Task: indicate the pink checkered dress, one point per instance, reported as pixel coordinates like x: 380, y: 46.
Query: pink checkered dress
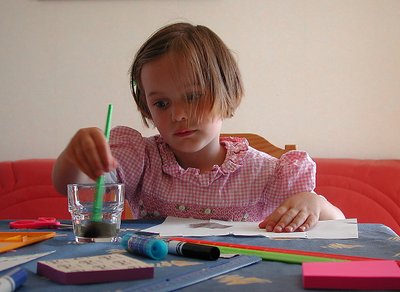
x: 248, y: 186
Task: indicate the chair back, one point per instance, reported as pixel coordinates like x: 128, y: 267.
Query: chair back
x: 262, y: 144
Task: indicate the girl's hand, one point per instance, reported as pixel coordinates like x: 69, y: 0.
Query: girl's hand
x: 90, y: 152
x: 297, y: 213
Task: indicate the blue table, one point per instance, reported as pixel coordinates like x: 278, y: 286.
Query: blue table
x: 375, y: 240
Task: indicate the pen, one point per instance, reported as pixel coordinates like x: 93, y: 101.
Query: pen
x: 12, y: 280
x: 193, y: 250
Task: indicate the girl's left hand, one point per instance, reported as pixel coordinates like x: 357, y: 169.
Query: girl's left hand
x: 300, y: 212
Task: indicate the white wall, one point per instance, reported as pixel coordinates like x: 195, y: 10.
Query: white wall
x: 321, y: 74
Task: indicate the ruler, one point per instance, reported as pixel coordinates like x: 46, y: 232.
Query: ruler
x: 205, y: 272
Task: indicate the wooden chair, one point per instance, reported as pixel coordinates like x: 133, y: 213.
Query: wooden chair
x: 262, y: 144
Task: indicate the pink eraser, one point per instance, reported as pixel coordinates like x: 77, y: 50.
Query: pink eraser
x: 365, y: 275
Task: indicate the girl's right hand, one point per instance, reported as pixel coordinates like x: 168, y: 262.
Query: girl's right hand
x: 90, y: 152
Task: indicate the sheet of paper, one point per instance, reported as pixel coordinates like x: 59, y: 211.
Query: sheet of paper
x: 330, y: 229
x: 7, y: 262
x: 334, y: 229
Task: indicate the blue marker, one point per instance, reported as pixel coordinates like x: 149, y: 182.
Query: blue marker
x: 150, y: 247
x: 12, y: 280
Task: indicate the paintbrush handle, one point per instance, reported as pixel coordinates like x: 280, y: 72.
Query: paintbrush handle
x: 98, y: 199
x: 107, y: 129
x: 97, y: 212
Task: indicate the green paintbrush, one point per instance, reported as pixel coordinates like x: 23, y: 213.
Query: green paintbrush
x: 95, y: 228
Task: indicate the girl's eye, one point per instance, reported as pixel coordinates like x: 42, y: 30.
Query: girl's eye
x: 193, y: 97
x: 161, y: 104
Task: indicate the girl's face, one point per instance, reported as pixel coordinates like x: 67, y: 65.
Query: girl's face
x: 167, y: 97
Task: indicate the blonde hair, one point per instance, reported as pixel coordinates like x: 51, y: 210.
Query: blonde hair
x: 209, y: 62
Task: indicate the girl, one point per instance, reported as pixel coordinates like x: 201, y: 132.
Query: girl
x: 185, y: 82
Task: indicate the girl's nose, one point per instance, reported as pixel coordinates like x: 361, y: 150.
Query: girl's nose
x: 179, y: 113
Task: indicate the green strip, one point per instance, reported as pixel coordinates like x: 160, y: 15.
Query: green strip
x: 277, y: 256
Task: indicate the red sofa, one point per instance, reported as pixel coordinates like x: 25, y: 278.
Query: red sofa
x: 26, y: 191
x: 368, y: 190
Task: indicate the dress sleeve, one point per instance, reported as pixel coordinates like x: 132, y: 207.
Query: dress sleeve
x: 294, y: 173
x: 129, y: 148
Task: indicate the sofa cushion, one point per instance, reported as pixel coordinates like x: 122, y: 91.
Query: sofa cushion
x: 368, y: 190
x: 26, y: 191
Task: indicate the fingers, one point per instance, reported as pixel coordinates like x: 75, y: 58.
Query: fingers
x: 283, y: 220
x: 310, y: 222
x: 90, y: 156
x: 296, y: 221
x: 274, y: 223
x: 90, y: 151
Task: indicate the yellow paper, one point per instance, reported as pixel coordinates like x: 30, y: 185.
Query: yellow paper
x: 13, y: 240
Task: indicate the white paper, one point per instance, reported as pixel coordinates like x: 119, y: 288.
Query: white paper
x: 329, y: 229
x: 7, y: 262
x: 334, y: 229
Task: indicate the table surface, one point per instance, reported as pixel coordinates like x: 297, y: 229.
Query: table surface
x: 375, y: 241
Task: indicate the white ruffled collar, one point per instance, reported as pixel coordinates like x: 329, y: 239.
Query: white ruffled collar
x: 236, y: 151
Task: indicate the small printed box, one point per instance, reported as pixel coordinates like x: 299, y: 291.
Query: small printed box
x: 95, y: 269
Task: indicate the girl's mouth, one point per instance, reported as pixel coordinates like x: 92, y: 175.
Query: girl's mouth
x: 184, y: 133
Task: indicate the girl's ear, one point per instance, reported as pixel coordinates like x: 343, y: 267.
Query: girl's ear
x: 148, y: 116
x: 145, y: 109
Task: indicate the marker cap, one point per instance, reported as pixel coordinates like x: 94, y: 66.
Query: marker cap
x: 153, y: 248
x: 16, y: 277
